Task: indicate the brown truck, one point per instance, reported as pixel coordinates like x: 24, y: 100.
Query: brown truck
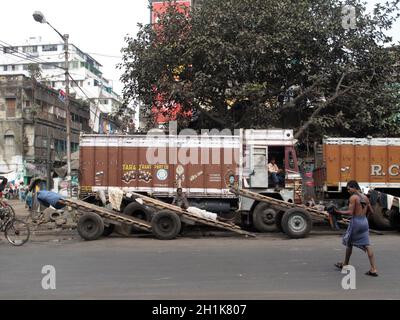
x: 205, y: 166
x: 373, y: 162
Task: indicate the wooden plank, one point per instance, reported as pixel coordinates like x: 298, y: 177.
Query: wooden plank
x: 218, y: 224
x: 276, y: 202
x: 109, y: 214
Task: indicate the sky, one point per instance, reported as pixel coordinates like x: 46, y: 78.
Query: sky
x: 96, y: 27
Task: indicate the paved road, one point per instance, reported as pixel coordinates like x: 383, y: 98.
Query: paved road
x: 269, y: 267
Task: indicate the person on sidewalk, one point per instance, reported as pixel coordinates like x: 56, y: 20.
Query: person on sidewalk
x: 276, y: 174
x: 357, y: 233
x: 3, y: 185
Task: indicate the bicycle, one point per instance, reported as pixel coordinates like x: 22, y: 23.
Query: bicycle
x: 16, y: 231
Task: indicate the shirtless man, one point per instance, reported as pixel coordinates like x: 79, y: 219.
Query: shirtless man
x: 357, y: 233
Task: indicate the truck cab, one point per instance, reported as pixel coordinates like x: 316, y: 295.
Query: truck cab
x: 259, y: 146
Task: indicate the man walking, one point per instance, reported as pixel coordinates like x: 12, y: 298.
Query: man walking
x: 357, y: 233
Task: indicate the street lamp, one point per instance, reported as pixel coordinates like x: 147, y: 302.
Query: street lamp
x: 39, y: 17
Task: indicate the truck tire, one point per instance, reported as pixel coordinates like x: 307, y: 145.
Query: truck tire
x: 137, y: 211
x: 380, y: 219
x: 166, y: 225
x: 296, y: 223
x: 394, y: 217
x: 108, y: 230
x: 90, y: 226
x: 264, y: 218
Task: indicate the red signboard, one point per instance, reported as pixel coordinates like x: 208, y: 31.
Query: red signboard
x: 164, y: 112
x: 160, y: 7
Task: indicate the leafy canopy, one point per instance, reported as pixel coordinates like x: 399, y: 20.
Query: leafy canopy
x: 270, y: 64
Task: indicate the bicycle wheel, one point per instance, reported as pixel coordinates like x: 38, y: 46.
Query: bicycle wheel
x: 17, y: 232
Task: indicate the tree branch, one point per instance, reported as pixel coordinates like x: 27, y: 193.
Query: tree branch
x: 292, y: 103
x: 305, y: 126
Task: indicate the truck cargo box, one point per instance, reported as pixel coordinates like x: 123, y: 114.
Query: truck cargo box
x: 373, y: 162
x: 149, y: 163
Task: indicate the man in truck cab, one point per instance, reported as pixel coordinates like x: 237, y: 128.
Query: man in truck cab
x: 276, y: 174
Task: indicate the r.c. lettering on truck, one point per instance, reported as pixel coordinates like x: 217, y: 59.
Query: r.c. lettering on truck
x: 377, y: 170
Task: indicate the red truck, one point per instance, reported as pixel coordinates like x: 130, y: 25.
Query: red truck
x: 204, y: 166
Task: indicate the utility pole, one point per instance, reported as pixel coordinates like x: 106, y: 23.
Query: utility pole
x: 68, y: 116
x: 39, y: 17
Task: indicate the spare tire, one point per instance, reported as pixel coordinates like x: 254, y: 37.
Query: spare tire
x: 90, y: 226
x: 166, y: 225
x: 264, y: 218
x: 296, y: 223
x: 380, y: 218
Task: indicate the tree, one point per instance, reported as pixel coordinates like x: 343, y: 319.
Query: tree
x: 276, y: 63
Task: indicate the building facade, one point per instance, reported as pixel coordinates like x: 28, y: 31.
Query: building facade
x: 88, y: 81
x: 33, y: 127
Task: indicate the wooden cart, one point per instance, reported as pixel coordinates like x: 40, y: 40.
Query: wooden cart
x: 166, y: 223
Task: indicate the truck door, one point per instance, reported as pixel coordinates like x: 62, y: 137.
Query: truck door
x: 258, y: 169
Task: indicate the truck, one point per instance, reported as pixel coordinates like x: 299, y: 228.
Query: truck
x: 373, y: 162
x: 205, y: 166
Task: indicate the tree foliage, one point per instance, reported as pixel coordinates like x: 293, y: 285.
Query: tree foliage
x: 271, y: 64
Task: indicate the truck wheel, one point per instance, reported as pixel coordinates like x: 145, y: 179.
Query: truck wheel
x: 296, y: 223
x: 166, y: 225
x: 264, y: 218
x: 380, y: 218
x: 394, y: 217
x: 135, y: 210
x: 108, y: 230
x: 90, y: 226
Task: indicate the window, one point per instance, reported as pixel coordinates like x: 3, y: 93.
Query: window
x: 74, y: 65
x: 9, y: 143
x: 13, y: 67
x: 10, y: 49
x: 30, y: 49
x: 47, y: 66
x: 27, y: 103
x: 49, y: 47
x: 10, y: 105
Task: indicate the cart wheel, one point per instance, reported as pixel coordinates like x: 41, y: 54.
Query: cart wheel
x: 108, y: 230
x: 264, y: 218
x: 166, y: 225
x: 296, y: 223
x: 90, y: 226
